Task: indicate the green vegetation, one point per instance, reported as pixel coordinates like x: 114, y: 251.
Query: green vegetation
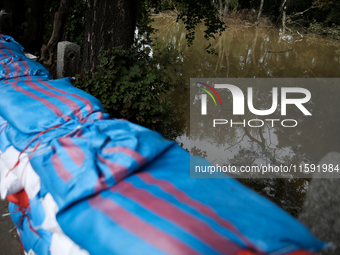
x: 131, y: 85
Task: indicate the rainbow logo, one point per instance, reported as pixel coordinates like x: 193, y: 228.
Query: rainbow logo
x: 208, y: 92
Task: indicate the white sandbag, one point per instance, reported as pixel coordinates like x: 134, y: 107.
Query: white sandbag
x: 30, y: 252
x: 50, y: 208
x: 26, y: 177
x: 63, y: 245
x: 9, y: 182
x: 60, y: 243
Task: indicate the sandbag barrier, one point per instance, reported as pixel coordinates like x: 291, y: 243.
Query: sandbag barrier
x: 81, y: 183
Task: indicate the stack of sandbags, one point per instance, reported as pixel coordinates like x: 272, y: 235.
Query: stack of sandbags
x: 81, y: 183
x: 36, y: 216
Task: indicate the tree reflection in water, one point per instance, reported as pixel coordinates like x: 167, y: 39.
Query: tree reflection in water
x: 249, y: 52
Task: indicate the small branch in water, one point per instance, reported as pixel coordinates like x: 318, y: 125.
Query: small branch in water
x: 284, y: 51
x: 235, y: 143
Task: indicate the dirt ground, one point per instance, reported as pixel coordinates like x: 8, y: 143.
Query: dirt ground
x: 9, y: 244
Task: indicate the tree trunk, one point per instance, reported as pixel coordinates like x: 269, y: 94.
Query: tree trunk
x: 47, y: 51
x: 33, y: 36
x: 283, y: 22
x: 260, y: 11
x: 30, y: 11
x: 110, y: 23
x: 18, y: 10
x: 221, y: 8
x: 283, y: 5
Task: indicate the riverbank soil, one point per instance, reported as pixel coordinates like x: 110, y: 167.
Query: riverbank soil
x: 9, y: 244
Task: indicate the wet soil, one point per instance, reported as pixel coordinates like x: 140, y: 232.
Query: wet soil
x: 9, y: 244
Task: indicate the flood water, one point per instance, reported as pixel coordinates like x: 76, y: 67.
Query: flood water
x: 248, y: 52
x: 256, y: 52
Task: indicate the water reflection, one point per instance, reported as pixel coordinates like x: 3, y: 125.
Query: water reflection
x: 249, y: 52
x: 246, y: 52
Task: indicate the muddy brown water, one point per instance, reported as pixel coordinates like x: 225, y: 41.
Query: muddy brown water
x: 255, y: 52
x: 251, y: 51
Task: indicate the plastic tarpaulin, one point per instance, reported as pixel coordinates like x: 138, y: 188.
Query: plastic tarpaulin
x: 101, y: 186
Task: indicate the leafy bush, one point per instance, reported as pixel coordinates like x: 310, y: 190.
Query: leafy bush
x: 131, y: 84
x: 321, y: 29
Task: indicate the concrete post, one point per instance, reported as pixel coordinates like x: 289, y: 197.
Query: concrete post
x: 67, y: 59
